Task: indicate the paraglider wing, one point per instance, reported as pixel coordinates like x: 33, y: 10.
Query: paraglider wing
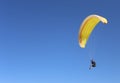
x: 87, y: 27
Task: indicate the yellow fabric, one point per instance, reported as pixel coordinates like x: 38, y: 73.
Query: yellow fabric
x: 87, y: 27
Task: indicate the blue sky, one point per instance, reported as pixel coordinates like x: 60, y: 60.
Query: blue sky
x: 39, y: 42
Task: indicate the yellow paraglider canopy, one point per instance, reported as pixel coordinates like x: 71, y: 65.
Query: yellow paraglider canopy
x: 87, y: 27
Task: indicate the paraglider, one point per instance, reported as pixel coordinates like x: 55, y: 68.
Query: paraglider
x: 86, y: 29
